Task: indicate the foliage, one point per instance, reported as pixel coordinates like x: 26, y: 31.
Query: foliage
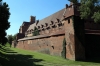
x: 14, y: 36
x: 4, y: 24
x: 89, y: 9
x: 10, y: 39
x: 74, y: 1
x: 36, y: 32
x: 4, y: 40
x: 64, y: 49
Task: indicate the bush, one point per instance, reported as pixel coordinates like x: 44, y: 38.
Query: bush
x: 36, y: 32
x: 63, y: 53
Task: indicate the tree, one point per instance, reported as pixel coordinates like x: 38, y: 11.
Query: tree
x: 10, y: 39
x: 4, y: 40
x: 89, y: 9
x: 74, y: 1
x: 36, y: 32
x: 4, y: 24
x: 14, y: 36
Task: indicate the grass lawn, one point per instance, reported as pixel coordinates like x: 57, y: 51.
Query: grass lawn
x: 19, y: 57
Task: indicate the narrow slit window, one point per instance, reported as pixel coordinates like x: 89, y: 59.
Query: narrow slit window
x: 52, y: 47
x: 68, y: 21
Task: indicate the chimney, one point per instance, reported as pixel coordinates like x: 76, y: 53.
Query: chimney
x: 32, y: 19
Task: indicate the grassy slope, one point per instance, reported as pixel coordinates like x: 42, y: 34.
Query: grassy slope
x: 19, y: 57
x: 53, y: 59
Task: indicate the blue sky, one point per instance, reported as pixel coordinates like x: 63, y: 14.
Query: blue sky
x: 21, y: 10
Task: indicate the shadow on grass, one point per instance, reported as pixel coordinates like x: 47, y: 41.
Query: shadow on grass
x: 7, y: 50
x: 94, y: 60
x: 91, y: 60
x: 11, y: 58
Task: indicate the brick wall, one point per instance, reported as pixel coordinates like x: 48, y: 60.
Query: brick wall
x: 74, y: 34
x: 53, y: 44
x: 76, y: 49
x: 69, y: 35
x: 50, y: 45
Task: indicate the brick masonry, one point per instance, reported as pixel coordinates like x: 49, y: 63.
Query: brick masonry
x: 51, y: 45
x: 82, y: 38
x: 76, y: 32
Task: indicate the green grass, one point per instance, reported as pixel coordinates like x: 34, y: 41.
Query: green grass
x: 19, y: 57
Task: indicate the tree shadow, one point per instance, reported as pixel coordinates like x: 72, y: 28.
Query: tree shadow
x: 11, y: 58
x: 94, y: 60
x: 7, y: 50
x: 91, y: 60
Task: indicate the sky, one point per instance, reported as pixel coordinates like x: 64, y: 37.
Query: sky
x: 21, y: 10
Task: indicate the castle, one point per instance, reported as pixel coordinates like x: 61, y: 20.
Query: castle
x: 63, y: 33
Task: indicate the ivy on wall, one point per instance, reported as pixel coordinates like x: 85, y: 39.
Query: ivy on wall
x: 36, y: 32
x: 63, y: 53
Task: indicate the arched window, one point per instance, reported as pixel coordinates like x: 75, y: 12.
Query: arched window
x: 38, y: 27
x: 68, y: 21
x: 46, y: 24
x: 42, y: 26
x: 51, y: 22
x: 58, y: 20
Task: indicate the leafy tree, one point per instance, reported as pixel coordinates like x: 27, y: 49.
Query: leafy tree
x: 63, y: 53
x: 36, y: 32
x: 4, y: 40
x: 10, y: 39
x: 89, y: 9
x: 74, y: 1
x: 4, y: 24
x: 14, y: 36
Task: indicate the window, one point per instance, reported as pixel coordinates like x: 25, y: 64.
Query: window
x: 42, y: 26
x: 46, y: 24
x: 52, y: 47
x: 48, y: 28
x: 60, y: 24
x: 53, y: 26
x: 51, y: 22
x: 43, y: 29
x: 58, y: 20
x: 39, y: 30
x: 68, y: 21
x: 38, y: 26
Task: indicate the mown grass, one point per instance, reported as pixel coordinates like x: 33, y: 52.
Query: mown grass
x: 19, y: 57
